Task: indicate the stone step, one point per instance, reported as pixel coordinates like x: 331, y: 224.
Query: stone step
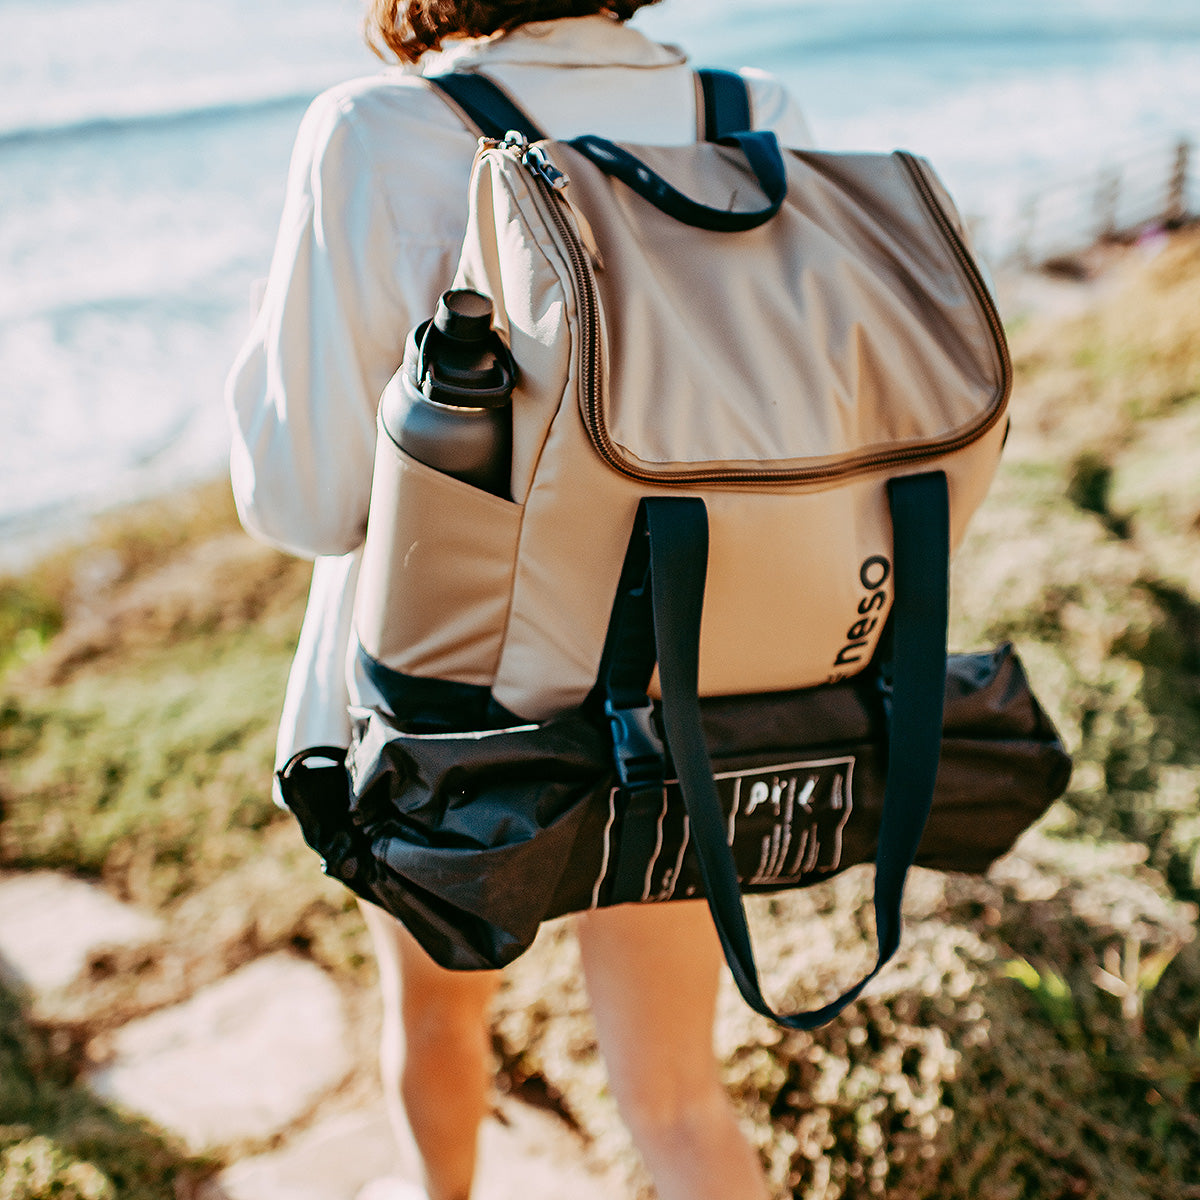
x: 245, y: 1058
x: 53, y: 925
x: 523, y: 1155
x: 532, y: 1155
x: 331, y: 1161
x: 239, y: 1061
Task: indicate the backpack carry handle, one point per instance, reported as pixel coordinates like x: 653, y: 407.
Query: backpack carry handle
x: 727, y: 117
x: 677, y: 532
x: 765, y: 159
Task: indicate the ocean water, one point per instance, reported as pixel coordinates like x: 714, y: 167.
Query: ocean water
x: 143, y: 150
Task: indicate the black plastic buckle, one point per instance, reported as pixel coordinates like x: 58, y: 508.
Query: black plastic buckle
x: 638, y: 751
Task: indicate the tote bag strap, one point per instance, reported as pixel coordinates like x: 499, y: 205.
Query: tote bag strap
x: 676, y: 533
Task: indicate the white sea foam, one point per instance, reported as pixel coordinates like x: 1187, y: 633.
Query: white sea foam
x: 77, y: 62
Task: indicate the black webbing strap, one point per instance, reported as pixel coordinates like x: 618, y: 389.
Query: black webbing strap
x: 763, y: 157
x: 677, y: 531
x: 725, y: 97
x: 726, y: 113
x: 638, y: 752
x: 726, y: 103
x: 489, y: 106
x: 727, y: 118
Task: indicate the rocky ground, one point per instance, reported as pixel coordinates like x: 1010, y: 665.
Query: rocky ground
x: 262, y: 1057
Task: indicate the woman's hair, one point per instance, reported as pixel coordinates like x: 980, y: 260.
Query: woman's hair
x: 407, y: 28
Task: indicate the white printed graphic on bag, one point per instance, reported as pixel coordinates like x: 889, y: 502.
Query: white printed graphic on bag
x: 783, y: 822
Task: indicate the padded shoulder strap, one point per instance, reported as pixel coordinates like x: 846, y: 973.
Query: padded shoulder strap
x: 726, y: 103
x: 486, y: 104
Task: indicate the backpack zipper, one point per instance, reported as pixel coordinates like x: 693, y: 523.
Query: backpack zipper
x: 551, y: 184
x: 918, y: 172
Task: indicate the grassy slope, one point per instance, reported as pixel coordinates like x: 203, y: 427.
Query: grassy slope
x: 1040, y: 1037
x: 136, y: 735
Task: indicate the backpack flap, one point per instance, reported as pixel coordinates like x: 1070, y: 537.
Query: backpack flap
x: 851, y: 332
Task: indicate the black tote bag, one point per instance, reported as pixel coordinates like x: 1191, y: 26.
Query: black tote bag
x: 472, y: 840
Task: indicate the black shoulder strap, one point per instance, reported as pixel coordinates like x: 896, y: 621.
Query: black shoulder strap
x: 726, y: 103
x: 489, y: 106
x: 674, y: 530
x: 494, y: 112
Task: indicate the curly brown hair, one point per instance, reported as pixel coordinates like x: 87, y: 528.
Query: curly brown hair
x: 407, y: 28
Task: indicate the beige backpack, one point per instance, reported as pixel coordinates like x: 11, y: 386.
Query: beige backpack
x: 760, y: 393
x: 783, y: 371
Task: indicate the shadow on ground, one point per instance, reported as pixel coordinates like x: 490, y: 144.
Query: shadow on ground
x: 58, y: 1142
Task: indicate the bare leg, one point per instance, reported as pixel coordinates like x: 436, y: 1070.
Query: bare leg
x: 652, y: 973
x: 435, y: 1054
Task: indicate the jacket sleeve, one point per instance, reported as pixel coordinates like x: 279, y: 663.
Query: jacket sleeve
x: 303, y: 392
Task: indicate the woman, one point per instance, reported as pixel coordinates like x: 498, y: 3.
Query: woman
x: 373, y: 219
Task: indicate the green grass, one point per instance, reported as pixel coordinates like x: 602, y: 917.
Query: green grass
x: 136, y: 749
x: 95, y: 785
x: 57, y: 1142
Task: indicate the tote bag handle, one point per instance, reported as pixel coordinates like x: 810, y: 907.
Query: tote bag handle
x: 675, y: 530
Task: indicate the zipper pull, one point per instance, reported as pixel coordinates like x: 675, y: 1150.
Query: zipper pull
x: 536, y: 159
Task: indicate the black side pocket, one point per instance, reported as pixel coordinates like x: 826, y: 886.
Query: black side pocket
x: 1003, y: 763
x: 316, y: 789
x: 467, y: 836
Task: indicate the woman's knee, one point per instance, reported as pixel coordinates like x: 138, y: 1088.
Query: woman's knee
x: 446, y: 1018
x: 445, y: 1011
x: 680, y: 1112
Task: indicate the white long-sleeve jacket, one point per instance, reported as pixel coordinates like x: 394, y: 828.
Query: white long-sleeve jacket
x: 373, y: 219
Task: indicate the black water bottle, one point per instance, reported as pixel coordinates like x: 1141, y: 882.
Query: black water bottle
x: 449, y: 405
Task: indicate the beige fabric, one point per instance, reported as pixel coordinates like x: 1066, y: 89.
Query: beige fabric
x: 844, y: 342
x: 449, y: 550
x: 881, y: 348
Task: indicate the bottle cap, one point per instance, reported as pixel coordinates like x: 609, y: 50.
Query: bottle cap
x: 463, y: 315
